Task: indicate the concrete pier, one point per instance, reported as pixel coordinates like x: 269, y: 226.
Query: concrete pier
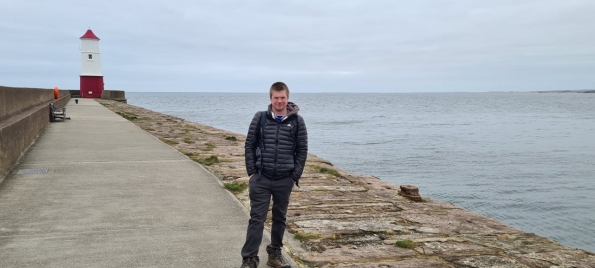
x: 103, y: 191
x: 97, y: 191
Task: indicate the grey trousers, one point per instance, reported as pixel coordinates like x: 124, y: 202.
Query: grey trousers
x: 261, y: 190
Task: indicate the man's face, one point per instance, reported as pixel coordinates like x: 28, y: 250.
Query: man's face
x: 279, y: 100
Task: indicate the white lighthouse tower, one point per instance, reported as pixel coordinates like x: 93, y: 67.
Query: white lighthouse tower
x: 91, y: 77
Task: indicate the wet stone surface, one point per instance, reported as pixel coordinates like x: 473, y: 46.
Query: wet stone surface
x: 340, y: 219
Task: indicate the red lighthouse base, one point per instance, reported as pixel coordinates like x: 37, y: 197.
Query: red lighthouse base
x: 91, y: 86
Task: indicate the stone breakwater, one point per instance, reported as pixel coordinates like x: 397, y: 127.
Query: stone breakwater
x: 340, y: 219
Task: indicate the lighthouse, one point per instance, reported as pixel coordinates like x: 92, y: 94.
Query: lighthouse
x: 91, y: 77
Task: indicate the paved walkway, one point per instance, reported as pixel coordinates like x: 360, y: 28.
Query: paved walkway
x: 115, y: 196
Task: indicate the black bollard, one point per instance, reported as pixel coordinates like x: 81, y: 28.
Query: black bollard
x: 76, y: 101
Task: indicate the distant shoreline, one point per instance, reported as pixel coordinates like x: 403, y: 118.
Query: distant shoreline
x: 566, y: 91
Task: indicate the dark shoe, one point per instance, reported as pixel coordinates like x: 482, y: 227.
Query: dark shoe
x: 276, y: 260
x: 249, y: 263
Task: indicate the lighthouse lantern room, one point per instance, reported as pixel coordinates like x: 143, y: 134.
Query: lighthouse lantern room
x: 91, y: 77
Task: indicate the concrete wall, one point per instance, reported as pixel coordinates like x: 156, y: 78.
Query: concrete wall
x: 14, y: 100
x: 74, y: 93
x: 24, y: 114
x: 117, y: 95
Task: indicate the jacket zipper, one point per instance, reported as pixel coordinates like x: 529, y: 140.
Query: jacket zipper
x: 276, y: 150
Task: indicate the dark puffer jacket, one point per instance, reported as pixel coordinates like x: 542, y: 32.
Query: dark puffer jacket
x: 285, y: 145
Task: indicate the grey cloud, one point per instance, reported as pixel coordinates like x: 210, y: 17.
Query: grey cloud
x: 360, y: 46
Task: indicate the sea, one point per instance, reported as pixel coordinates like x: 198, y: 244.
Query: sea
x: 525, y: 159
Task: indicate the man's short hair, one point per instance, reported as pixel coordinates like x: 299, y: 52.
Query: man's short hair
x: 278, y: 86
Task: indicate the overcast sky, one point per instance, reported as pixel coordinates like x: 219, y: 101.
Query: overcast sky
x: 313, y: 46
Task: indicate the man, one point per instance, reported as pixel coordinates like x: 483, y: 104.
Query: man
x: 276, y: 150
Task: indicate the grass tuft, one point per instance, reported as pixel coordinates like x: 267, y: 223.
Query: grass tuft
x: 170, y: 142
x: 210, y: 146
x: 188, y: 140
x: 236, y: 187
x: 305, y: 236
x: 128, y: 116
x: 330, y: 171
x: 190, y: 154
x: 405, y: 244
x: 207, y: 161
